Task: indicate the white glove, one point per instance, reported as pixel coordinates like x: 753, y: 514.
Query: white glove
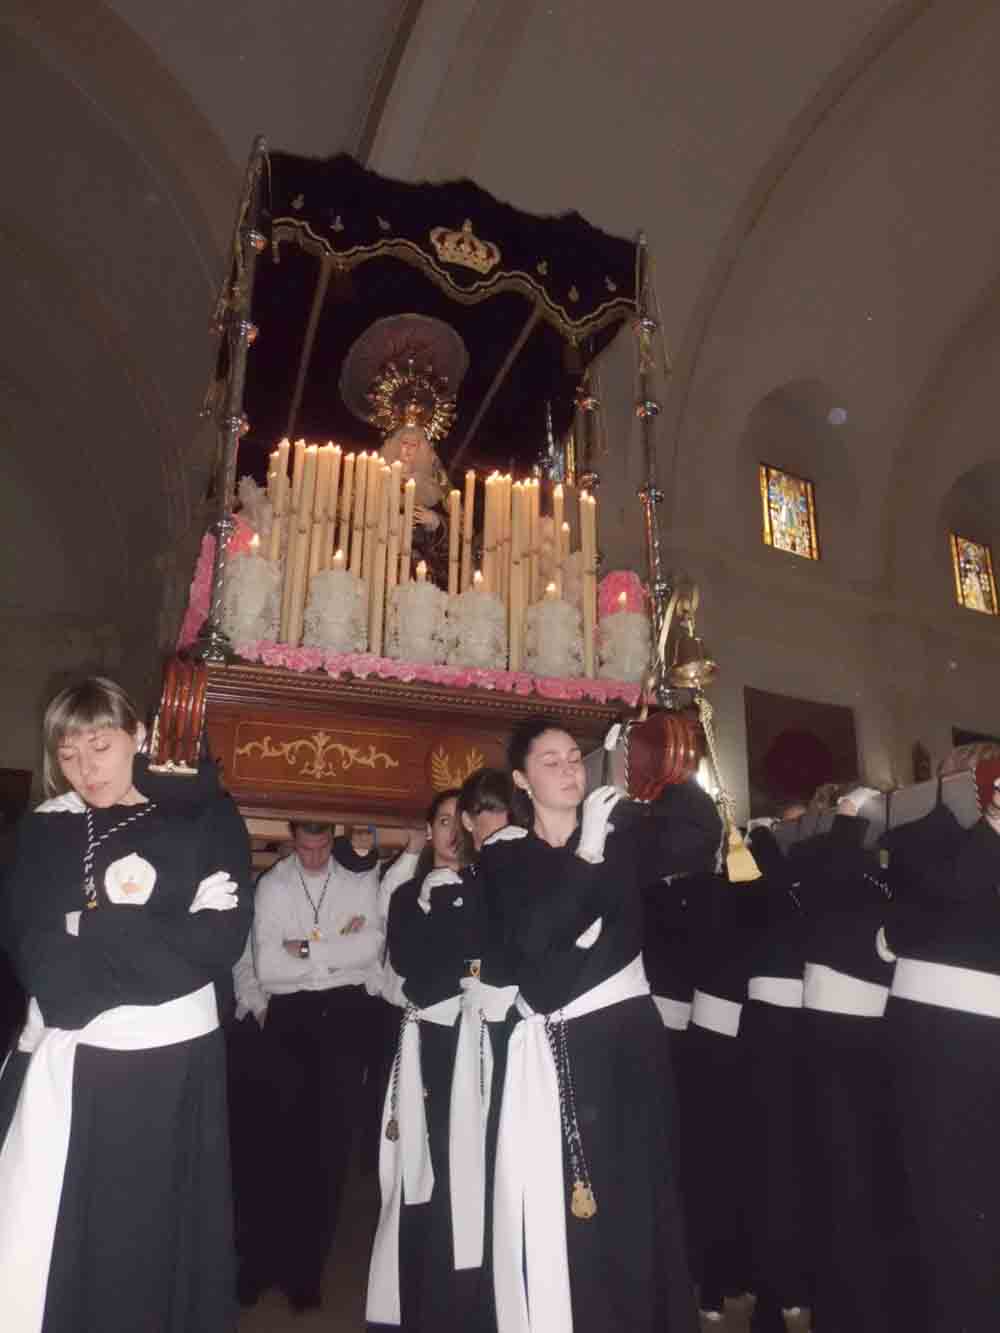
x: 882, y: 946
x: 595, y: 822
x: 72, y: 923
x: 215, y: 893
x: 434, y: 881
x: 509, y: 833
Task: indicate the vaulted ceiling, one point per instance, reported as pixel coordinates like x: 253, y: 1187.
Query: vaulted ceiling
x: 817, y: 181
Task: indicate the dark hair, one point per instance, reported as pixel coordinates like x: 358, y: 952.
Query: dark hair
x: 425, y: 862
x: 487, y: 789
x: 312, y: 826
x: 522, y: 738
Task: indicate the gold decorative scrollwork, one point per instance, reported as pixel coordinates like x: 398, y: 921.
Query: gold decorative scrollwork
x: 443, y: 776
x: 328, y: 755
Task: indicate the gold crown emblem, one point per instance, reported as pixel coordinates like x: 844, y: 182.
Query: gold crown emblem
x: 464, y: 248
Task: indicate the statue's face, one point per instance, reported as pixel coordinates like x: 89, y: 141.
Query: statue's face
x: 411, y: 441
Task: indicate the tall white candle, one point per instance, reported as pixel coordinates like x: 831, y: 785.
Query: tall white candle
x: 468, y: 510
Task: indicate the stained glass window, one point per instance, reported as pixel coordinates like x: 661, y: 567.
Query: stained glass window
x: 973, y: 566
x: 789, y: 512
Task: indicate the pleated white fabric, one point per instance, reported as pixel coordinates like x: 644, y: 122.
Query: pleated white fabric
x: 404, y: 1165
x: 471, y: 1090
x: 530, y: 1259
x: 33, y: 1157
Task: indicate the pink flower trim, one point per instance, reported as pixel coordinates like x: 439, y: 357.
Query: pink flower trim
x: 617, y: 582
x: 200, y: 596
x: 363, y: 665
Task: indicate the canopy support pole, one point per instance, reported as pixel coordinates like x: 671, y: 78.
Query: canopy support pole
x: 318, y: 301
x: 501, y: 375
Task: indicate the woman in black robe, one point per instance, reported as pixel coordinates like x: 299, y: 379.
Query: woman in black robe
x: 433, y: 931
x: 124, y: 913
x: 943, y: 1023
x: 587, y: 1224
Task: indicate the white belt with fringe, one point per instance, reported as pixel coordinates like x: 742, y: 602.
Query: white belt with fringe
x: 530, y: 1260
x: 471, y: 1091
x: 33, y: 1157
x: 405, y: 1170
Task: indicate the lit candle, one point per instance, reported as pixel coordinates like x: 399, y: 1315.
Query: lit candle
x: 557, y: 527
x: 406, y: 548
x: 551, y: 592
x: 332, y: 506
x: 395, y: 480
x: 300, y: 565
x: 255, y: 544
x: 515, y: 582
x: 467, y: 512
x: 321, y: 495
x: 454, y: 536
x: 346, y: 496
x: 340, y: 561
x: 376, y: 615
x: 422, y: 571
x: 623, y: 601
x: 358, y: 516
x: 588, y: 542
x: 477, y: 580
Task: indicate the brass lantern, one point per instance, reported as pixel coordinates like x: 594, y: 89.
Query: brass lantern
x: 691, y: 667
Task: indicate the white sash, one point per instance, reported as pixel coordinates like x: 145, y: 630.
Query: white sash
x: 961, y: 988
x: 676, y: 1014
x: 33, y: 1157
x: 785, y: 992
x: 716, y: 1014
x: 471, y: 1090
x: 834, y: 992
x: 404, y: 1165
x: 530, y: 1260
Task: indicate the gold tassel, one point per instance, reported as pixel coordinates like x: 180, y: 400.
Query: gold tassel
x: 740, y: 865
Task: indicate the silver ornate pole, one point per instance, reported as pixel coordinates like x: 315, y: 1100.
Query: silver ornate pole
x: 647, y: 409
x: 232, y: 318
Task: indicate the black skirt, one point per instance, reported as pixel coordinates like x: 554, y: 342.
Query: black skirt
x: 628, y: 1264
x: 143, y: 1242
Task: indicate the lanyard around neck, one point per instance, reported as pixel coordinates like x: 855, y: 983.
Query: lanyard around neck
x: 316, y: 906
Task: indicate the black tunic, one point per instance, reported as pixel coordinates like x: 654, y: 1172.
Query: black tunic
x: 946, y: 1066
x: 627, y: 1265
x: 854, y: 1159
x: 431, y: 951
x: 144, y: 1233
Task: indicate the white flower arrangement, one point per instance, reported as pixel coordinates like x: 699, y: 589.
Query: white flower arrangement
x: 476, y: 632
x: 553, y: 639
x: 251, y: 598
x: 416, y: 629
x: 624, y: 646
x: 336, y: 615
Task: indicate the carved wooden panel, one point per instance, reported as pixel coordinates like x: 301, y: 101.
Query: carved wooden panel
x: 305, y: 744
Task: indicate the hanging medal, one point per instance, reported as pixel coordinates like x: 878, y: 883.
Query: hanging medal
x: 316, y: 933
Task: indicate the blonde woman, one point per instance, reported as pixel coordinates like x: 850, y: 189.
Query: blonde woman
x: 125, y: 910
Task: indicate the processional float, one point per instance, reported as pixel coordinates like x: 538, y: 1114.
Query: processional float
x: 407, y: 383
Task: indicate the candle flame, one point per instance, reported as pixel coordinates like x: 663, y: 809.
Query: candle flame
x: 477, y: 578
x: 255, y: 543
